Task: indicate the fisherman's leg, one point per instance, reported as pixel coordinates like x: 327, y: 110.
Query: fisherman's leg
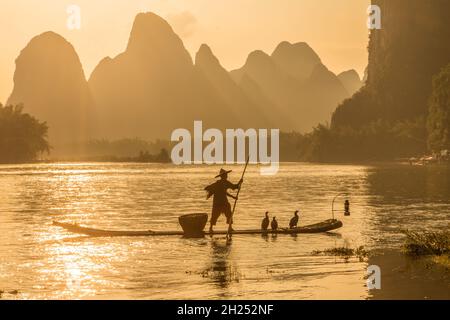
x: 214, y: 216
x: 229, y: 216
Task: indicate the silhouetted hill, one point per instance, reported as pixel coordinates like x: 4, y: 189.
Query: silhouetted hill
x: 297, y: 60
x: 396, y: 111
x: 244, y: 110
x: 351, y: 81
x: 50, y: 82
x: 261, y: 75
x: 321, y: 93
x: 404, y: 54
x: 153, y: 87
x: 303, y: 91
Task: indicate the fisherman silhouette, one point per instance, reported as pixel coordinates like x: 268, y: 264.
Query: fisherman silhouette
x: 294, y: 221
x: 265, y: 222
x: 220, y: 201
x: 274, y: 224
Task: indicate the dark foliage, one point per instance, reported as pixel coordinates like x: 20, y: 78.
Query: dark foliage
x: 439, y: 112
x: 404, y: 55
x: 22, y: 137
x: 379, y: 140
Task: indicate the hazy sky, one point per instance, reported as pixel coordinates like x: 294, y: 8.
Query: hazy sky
x: 335, y: 29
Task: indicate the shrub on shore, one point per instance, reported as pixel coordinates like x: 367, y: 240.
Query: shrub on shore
x: 427, y: 243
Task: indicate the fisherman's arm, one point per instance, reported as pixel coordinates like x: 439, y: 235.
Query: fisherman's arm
x: 230, y: 195
x: 235, y: 186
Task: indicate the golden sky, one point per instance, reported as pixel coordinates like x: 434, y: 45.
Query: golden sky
x: 335, y: 29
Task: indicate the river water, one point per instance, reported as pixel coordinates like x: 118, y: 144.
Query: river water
x: 42, y: 261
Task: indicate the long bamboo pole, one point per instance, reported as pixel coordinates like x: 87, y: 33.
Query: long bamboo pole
x: 237, y: 197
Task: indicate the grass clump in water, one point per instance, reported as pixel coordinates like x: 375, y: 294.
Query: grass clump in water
x: 345, y: 252
x: 427, y: 243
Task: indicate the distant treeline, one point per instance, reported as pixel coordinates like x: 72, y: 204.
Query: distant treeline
x: 22, y: 137
x: 144, y: 156
x: 125, y: 147
x: 121, y: 150
x: 380, y: 140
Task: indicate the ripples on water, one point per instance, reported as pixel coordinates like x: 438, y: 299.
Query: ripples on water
x: 43, y: 261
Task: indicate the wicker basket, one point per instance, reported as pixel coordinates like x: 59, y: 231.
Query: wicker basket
x: 193, y: 224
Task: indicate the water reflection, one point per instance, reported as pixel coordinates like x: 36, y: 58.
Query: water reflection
x: 409, y: 197
x: 410, y: 278
x: 222, y: 270
x: 409, y: 184
x: 43, y: 261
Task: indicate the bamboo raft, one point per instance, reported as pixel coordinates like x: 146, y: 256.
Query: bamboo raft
x: 324, y: 226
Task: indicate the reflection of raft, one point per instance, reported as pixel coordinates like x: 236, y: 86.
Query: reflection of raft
x: 323, y: 226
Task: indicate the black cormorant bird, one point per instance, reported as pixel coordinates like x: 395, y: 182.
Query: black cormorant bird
x: 294, y: 220
x: 274, y: 224
x: 265, y: 222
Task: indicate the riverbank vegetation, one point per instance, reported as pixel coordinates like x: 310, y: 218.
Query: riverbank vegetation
x: 22, y: 137
x: 377, y: 141
x: 435, y: 246
x: 427, y: 243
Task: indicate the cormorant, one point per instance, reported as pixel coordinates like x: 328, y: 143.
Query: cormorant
x: 294, y: 220
x: 274, y: 224
x: 265, y: 222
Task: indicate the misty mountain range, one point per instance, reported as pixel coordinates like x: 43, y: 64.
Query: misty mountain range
x: 154, y: 86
